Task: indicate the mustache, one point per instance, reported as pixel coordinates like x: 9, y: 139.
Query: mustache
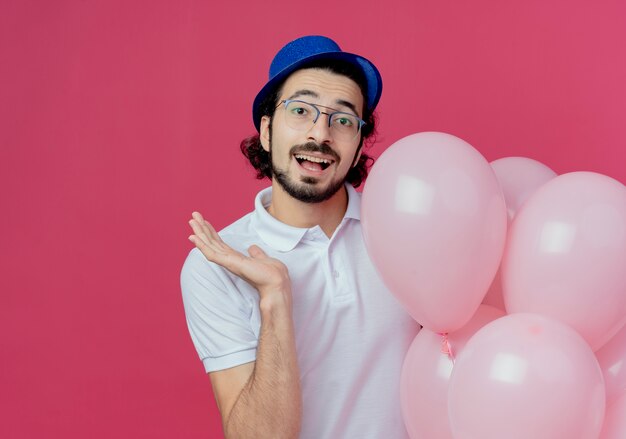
x: 315, y: 147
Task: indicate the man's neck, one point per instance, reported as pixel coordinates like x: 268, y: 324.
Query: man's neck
x: 327, y: 214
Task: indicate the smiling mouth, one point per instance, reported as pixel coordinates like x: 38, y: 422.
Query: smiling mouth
x: 321, y: 162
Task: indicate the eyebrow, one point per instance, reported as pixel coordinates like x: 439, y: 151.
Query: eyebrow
x: 313, y: 94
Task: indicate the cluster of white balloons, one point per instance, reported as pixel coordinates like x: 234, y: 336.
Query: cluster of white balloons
x: 519, y: 279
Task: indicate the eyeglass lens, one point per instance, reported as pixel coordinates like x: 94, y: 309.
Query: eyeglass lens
x: 302, y: 115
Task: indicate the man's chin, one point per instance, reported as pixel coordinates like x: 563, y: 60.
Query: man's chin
x: 309, y: 180
x: 308, y: 190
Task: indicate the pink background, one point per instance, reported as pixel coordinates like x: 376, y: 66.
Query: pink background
x: 118, y: 118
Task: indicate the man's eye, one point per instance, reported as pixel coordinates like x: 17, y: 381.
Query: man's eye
x: 299, y: 111
x: 344, y: 121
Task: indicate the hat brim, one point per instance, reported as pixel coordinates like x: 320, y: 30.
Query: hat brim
x: 371, y: 73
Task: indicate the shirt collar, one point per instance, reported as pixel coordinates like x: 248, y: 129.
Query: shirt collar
x: 354, y: 203
x: 283, y: 237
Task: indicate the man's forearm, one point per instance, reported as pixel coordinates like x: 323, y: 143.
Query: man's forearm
x: 270, y: 404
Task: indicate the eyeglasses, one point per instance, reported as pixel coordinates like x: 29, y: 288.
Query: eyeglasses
x: 301, y: 116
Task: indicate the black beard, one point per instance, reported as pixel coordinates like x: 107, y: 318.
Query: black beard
x: 306, y: 191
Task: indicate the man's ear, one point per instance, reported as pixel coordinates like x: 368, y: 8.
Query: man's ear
x: 264, y: 133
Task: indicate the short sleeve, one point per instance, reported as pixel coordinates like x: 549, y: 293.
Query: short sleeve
x: 217, y: 313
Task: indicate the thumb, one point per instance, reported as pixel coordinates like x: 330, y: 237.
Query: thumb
x: 255, y: 252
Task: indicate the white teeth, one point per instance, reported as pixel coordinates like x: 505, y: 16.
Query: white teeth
x: 312, y: 159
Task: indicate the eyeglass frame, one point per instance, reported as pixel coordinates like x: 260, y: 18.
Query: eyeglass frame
x: 330, y: 115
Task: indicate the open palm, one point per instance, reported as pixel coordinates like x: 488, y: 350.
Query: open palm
x: 258, y: 269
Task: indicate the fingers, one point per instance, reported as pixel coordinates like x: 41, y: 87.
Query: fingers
x: 205, y: 237
x: 258, y: 268
x: 207, y: 229
x: 199, y: 232
x: 207, y: 248
x: 211, y: 231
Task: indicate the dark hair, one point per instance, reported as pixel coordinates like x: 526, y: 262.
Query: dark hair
x: 260, y: 159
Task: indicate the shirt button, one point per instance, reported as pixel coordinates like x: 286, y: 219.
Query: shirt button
x: 335, y: 274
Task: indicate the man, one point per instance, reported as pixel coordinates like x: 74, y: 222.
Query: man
x: 296, y: 330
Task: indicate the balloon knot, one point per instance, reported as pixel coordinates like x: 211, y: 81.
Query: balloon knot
x: 446, y: 347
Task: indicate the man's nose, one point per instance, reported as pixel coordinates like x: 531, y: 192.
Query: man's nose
x: 320, y: 131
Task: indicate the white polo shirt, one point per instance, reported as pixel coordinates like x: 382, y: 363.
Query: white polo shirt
x: 351, y: 334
